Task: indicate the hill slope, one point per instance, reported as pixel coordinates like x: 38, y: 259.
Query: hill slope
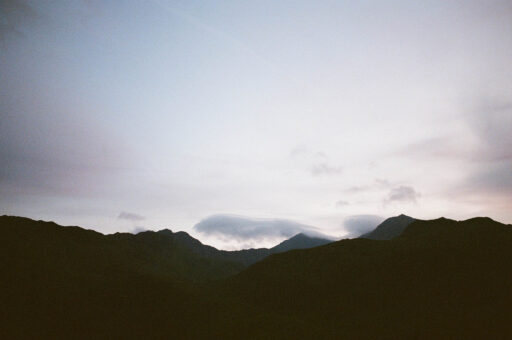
x: 162, y: 253
x: 390, y: 228
x: 299, y: 241
x: 439, y: 279
x: 68, y: 281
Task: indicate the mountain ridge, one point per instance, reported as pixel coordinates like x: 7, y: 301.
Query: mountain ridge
x: 165, y: 241
x: 438, y: 279
x: 389, y: 228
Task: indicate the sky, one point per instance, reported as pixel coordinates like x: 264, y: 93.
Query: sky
x: 244, y: 122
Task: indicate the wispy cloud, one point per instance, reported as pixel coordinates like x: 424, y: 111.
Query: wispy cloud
x: 318, y: 161
x: 491, y: 171
x: 491, y: 122
x: 13, y: 14
x: 447, y: 148
x: 402, y: 193
x: 325, y: 169
x: 130, y: 216
x: 378, y: 184
x: 342, y: 203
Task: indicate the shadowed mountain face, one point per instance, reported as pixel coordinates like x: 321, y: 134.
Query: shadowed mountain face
x: 438, y: 279
x: 390, y: 228
x: 299, y: 241
x: 177, y: 255
x: 68, y: 280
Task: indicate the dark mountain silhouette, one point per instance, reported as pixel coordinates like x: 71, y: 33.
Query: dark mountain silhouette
x: 299, y: 241
x: 178, y: 254
x: 390, y: 228
x: 438, y: 279
x: 68, y: 279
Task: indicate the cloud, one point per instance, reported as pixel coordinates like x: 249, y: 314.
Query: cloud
x: 318, y: 161
x: 301, y: 151
x: 13, y: 13
x: 482, y: 154
x: 491, y: 122
x: 341, y: 203
x: 496, y: 178
x: 356, y: 189
x: 244, y: 228
x: 449, y: 148
x: 130, y: 216
x: 488, y: 123
x: 491, y: 173
x: 378, y: 184
x: 402, y: 193
x: 325, y: 169
x: 360, y: 224
x: 57, y: 151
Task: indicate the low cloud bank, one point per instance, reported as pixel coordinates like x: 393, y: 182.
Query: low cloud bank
x: 244, y: 228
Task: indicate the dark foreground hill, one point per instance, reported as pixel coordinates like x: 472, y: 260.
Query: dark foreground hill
x: 67, y: 279
x: 438, y: 279
x: 176, y: 255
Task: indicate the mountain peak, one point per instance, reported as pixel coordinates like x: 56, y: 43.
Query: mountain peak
x: 298, y: 236
x: 300, y: 241
x: 165, y: 232
x: 390, y: 228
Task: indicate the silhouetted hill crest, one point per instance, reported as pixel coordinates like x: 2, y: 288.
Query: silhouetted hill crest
x: 390, y: 228
x: 300, y: 241
x: 438, y: 279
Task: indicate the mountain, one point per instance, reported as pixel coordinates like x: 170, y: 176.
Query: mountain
x: 438, y: 279
x: 248, y: 257
x: 176, y: 254
x: 68, y: 281
x: 60, y: 282
x: 299, y: 241
x: 390, y: 228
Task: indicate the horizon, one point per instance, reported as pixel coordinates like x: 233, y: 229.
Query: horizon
x: 266, y: 245
x: 243, y: 123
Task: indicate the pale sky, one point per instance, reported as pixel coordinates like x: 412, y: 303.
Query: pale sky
x: 273, y: 116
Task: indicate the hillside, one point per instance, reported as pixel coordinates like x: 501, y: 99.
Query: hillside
x: 390, y: 228
x: 163, y: 253
x: 64, y: 280
x: 438, y: 279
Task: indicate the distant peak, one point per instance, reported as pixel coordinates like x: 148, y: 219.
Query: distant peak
x: 183, y: 234
x: 300, y: 241
x: 442, y: 219
x: 165, y: 232
x: 482, y: 218
x: 390, y: 228
x: 299, y: 235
